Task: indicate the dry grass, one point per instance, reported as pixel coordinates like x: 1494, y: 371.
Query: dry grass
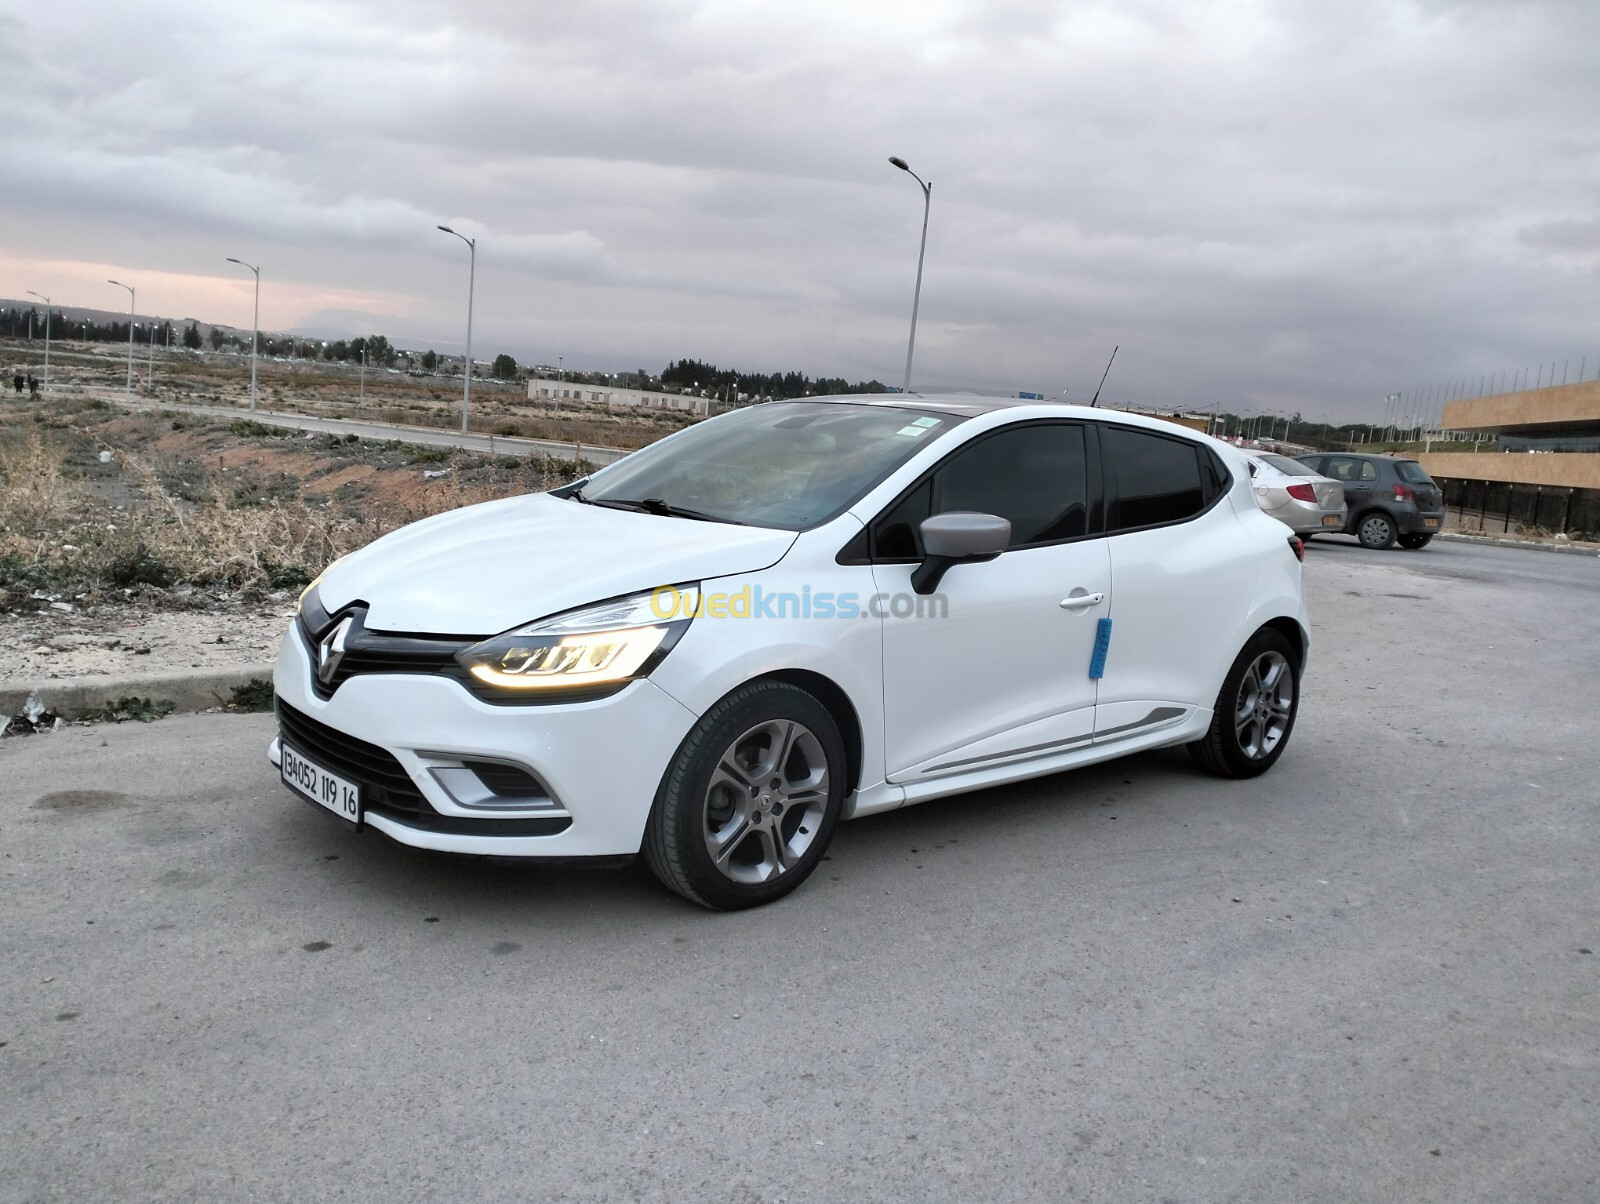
x: 58, y: 533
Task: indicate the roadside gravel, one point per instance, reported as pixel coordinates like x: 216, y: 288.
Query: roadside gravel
x: 115, y: 640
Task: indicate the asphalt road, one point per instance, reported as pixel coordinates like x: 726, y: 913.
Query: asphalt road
x: 1366, y: 976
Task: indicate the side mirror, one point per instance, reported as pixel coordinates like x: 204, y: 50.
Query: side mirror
x: 957, y: 537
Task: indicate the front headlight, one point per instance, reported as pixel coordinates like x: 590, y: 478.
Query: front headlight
x: 593, y: 649
x: 306, y: 593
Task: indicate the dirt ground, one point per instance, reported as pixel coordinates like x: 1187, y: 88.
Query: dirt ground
x: 112, y: 640
x: 77, y: 600
x: 335, y: 390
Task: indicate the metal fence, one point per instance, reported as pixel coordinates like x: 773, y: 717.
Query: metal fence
x: 1505, y: 507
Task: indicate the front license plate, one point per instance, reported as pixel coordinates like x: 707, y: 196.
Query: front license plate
x: 326, y: 789
x: 1331, y: 520
x: 1430, y: 522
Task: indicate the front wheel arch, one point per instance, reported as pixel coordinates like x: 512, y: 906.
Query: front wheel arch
x: 832, y: 696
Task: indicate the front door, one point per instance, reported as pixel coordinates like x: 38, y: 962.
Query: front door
x: 1359, y: 476
x: 995, y: 668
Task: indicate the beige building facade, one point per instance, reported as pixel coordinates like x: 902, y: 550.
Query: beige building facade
x: 1548, y: 437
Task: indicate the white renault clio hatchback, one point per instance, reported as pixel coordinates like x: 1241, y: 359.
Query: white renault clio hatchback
x: 717, y: 648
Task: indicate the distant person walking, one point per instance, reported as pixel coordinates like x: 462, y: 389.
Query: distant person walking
x: 17, y: 382
x: 33, y: 385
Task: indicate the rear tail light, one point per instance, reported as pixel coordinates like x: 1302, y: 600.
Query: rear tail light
x: 1298, y: 547
x: 1402, y: 493
x: 1302, y: 493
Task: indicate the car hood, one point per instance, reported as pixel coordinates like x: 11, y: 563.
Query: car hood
x: 483, y: 569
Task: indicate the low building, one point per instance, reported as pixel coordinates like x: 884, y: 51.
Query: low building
x: 1540, y: 463
x: 1548, y: 437
x: 541, y: 388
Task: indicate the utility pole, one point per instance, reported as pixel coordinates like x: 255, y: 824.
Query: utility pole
x: 472, y: 280
x: 255, y: 333
x: 127, y: 392
x: 922, y: 251
x: 46, y: 301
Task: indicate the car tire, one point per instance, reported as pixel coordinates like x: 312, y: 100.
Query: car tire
x: 1414, y: 542
x: 1255, y: 710
x: 1375, y: 530
x: 746, y: 809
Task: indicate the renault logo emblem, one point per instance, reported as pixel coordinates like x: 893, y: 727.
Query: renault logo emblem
x: 331, y: 651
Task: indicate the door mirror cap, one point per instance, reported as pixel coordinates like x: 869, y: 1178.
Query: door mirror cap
x: 964, y: 535
x: 954, y: 537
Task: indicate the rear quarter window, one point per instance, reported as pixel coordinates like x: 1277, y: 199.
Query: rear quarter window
x: 1155, y: 479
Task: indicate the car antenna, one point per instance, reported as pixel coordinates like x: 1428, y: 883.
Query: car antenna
x: 1103, y: 376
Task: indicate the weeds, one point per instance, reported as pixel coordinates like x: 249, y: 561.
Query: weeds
x: 254, y: 695
x: 249, y: 428
x: 124, y: 710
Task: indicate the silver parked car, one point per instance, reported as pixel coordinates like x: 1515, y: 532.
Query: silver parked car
x: 1299, y: 497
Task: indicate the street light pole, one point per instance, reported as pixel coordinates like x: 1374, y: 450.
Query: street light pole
x: 916, y: 296
x: 255, y: 335
x: 472, y: 281
x: 127, y: 392
x: 46, y: 301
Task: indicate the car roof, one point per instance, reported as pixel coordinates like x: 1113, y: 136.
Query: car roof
x: 967, y: 405
x: 972, y: 405
x: 1361, y: 456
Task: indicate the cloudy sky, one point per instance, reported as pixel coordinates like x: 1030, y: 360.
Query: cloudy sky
x: 1294, y: 206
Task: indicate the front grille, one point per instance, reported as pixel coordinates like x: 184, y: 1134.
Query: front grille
x: 378, y: 652
x: 386, y: 788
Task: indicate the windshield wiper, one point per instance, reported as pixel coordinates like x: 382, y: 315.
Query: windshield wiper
x: 655, y: 505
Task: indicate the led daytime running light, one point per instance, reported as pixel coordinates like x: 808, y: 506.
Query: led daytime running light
x: 574, y: 660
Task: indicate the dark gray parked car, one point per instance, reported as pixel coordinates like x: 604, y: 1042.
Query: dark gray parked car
x: 1388, y: 498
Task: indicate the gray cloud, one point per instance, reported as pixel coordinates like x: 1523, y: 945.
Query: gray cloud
x: 1273, y: 205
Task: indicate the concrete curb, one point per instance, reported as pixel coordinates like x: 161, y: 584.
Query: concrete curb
x: 186, y: 689
x: 1502, y: 542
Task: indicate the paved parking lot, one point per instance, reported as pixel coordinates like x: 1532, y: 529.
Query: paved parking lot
x: 1365, y: 976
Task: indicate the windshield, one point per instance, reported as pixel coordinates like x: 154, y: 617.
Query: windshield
x: 781, y: 464
x: 1288, y: 467
x: 1412, y: 473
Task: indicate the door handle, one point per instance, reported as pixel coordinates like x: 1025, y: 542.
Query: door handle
x: 1079, y: 601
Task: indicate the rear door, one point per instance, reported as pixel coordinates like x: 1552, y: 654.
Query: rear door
x: 1183, y: 569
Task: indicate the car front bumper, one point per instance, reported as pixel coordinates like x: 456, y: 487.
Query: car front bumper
x: 601, y: 760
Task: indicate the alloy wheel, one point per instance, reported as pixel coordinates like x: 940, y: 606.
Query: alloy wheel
x: 765, y: 802
x: 1266, y: 699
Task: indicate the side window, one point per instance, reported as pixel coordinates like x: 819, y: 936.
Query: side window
x: 1035, y: 475
x: 1214, y: 478
x: 1153, y: 479
x: 1369, y: 471
x: 1340, y: 468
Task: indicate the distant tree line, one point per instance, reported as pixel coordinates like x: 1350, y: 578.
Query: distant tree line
x: 695, y: 374
x: 17, y: 324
